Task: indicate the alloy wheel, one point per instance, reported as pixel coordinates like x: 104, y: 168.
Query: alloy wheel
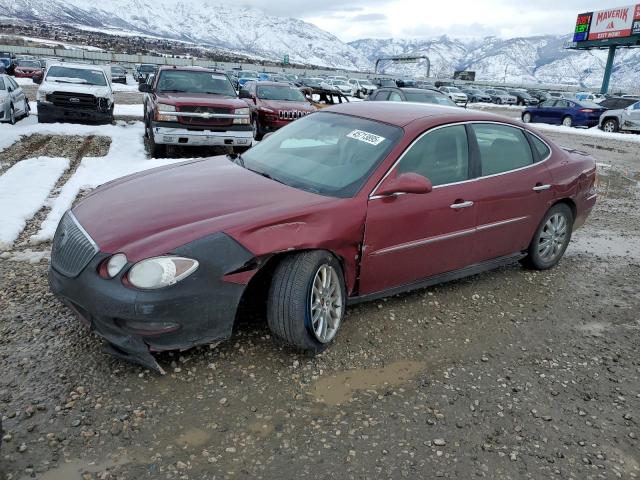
x: 609, y: 126
x: 326, y: 304
x: 553, y: 237
x: 567, y: 121
x: 526, y: 118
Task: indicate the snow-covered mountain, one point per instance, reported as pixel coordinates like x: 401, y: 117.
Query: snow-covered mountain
x: 217, y: 24
x: 248, y: 31
x: 541, y: 59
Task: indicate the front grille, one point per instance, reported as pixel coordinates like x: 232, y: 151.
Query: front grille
x: 76, y: 100
x: 291, y: 114
x: 205, y: 121
x: 72, y: 248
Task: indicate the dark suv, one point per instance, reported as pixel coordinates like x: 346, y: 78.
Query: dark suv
x: 274, y: 105
x: 192, y: 106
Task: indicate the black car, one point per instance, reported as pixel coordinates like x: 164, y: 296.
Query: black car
x: 476, y: 95
x: 418, y: 95
x: 524, y: 98
x: 539, y: 94
x: 617, y: 103
x: 118, y: 74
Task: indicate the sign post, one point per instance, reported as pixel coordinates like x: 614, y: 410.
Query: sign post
x: 607, y: 70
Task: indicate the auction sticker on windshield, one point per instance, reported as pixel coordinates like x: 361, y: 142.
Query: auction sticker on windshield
x: 366, y: 137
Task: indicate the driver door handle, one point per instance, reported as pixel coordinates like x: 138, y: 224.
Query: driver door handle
x: 541, y: 188
x: 459, y: 205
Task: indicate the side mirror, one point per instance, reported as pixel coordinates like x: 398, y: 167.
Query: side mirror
x: 405, y: 183
x: 9, y: 88
x: 37, y: 79
x: 244, y: 93
x: 144, y: 88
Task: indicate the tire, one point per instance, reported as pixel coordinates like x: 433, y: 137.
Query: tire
x: 240, y: 150
x: 526, y: 117
x: 567, y: 121
x: 610, y: 125
x: 12, y: 115
x: 289, y: 305
x: 538, y: 257
x: 257, y: 130
x: 499, y: 101
x: 155, y: 150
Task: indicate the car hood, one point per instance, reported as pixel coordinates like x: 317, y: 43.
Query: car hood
x: 49, y: 87
x: 201, y: 99
x: 287, y: 105
x: 151, y: 213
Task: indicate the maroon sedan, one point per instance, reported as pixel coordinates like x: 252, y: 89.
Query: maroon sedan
x: 356, y: 202
x: 27, y: 68
x: 274, y: 105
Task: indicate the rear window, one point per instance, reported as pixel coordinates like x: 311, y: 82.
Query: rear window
x: 540, y: 146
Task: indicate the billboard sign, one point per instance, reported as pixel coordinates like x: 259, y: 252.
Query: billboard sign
x: 465, y: 75
x: 620, y: 22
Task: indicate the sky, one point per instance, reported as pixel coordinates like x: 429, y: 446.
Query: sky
x: 354, y: 19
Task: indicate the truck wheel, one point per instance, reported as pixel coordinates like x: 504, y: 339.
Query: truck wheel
x: 307, y: 300
x: 257, y: 130
x: 610, y: 125
x: 551, y: 238
x: 156, y: 150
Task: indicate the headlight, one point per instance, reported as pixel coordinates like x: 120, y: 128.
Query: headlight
x: 162, y: 117
x: 115, y: 264
x: 161, y: 272
x: 41, y: 96
x: 242, y: 121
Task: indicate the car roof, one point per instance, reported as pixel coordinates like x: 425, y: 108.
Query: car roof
x: 273, y: 84
x: 401, y: 114
x: 190, y: 69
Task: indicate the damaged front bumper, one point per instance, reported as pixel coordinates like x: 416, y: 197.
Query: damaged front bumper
x: 199, y: 310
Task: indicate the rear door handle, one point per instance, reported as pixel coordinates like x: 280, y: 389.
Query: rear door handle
x: 541, y: 188
x: 459, y: 205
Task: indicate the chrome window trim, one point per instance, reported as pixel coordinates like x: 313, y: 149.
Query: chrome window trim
x: 373, y: 196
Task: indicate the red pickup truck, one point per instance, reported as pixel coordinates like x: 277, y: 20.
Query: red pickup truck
x: 192, y: 106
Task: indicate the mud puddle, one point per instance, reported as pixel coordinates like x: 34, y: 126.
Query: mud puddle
x: 194, y: 437
x: 75, y: 469
x: 341, y: 387
x: 606, y: 244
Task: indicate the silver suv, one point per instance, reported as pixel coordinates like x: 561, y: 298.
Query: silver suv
x: 624, y: 119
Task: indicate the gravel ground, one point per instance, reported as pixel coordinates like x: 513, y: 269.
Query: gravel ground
x: 509, y: 374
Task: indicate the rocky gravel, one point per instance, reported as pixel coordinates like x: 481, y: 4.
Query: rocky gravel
x: 506, y: 375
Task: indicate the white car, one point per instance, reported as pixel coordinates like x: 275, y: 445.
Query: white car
x: 455, y: 94
x: 13, y: 102
x: 361, y: 88
x: 342, y: 85
x: 75, y: 93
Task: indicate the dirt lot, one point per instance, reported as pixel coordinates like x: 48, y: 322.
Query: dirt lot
x: 510, y: 374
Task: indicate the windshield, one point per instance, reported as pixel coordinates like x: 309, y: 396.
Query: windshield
x: 312, y: 82
x: 146, y: 68
x: 453, y: 89
x: 118, y: 70
x: 29, y: 63
x: 325, y: 153
x: 248, y: 74
x: 269, y: 92
x: 191, y: 81
x: 429, y: 96
x: 340, y: 82
x: 86, y: 76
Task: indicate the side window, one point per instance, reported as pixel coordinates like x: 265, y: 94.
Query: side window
x: 395, y: 97
x: 442, y: 156
x: 382, y: 96
x: 13, y: 83
x: 540, y: 147
x: 502, y: 148
x: 635, y: 106
x: 562, y: 104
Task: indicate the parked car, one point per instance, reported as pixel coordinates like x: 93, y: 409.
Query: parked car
x: 501, y: 97
x: 361, y: 88
x: 274, y: 105
x: 539, y: 94
x: 342, y: 85
x: 8, y: 62
x: 118, y: 74
x: 455, y: 94
x: 523, y: 98
x: 476, y: 95
x: 290, y: 218
x: 626, y: 119
x: 142, y: 71
x: 245, y: 76
x: 193, y: 106
x: 72, y: 92
x: 384, y: 82
x: 418, y: 95
x: 567, y: 95
x: 27, y: 68
x: 14, y: 104
x: 570, y: 113
x: 317, y: 82
x: 591, y: 97
x: 617, y: 103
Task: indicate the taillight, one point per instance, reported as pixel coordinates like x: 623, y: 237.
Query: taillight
x: 587, y: 110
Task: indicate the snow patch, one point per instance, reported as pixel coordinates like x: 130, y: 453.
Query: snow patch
x: 28, y: 255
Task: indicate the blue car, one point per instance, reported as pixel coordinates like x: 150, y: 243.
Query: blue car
x: 570, y: 113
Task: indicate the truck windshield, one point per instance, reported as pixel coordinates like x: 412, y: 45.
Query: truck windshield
x: 325, y: 153
x: 87, y: 76
x: 191, y: 81
x: 280, y: 93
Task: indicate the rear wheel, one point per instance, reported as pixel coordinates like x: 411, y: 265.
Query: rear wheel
x: 257, y: 130
x: 307, y: 300
x: 526, y: 117
x: 12, y: 115
x: 567, y: 121
x: 610, y: 125
x: 551, y: 238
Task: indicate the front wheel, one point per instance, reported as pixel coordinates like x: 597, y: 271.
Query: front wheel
x: 567, y: 121
x: 610, y: 125
x: 526, y: 117
x: 257, y: 130
x: 12, y: 115
x: 307, y: 300
x: 551, y: 238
